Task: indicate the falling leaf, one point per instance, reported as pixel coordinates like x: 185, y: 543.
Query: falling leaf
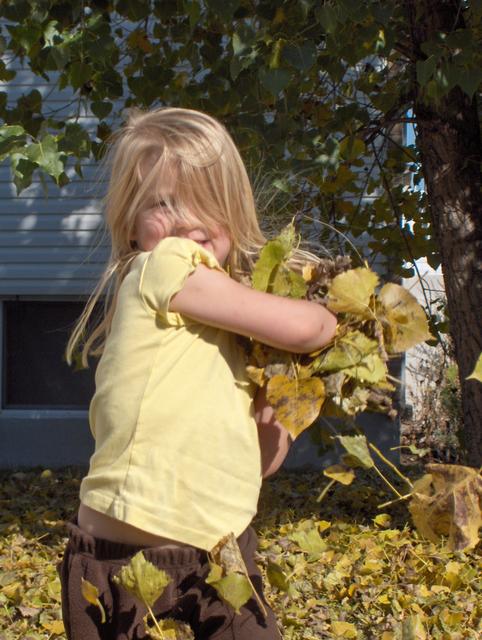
x: 91, y: 594
x: 405, y: 320
x: 446, y: 502
x: 351, y: 291
x: 296, y: 403
x: 142, y: 579
x: 343, y: 629
x: 477, y: 372
x: 357, y: 449
x: 340, y: 473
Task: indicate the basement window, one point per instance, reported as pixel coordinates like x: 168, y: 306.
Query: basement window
x: 35, y: 373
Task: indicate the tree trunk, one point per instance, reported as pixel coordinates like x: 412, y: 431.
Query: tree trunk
x: 448, y: 138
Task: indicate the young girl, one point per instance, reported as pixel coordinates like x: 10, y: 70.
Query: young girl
x: 180, y: 445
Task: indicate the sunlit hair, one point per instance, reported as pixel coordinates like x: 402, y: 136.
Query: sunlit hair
x: 211, y: 184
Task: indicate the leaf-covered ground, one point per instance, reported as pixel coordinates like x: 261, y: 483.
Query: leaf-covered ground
x: 336, y: 569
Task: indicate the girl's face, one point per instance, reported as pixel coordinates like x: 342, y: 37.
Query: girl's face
x: 156, y: 222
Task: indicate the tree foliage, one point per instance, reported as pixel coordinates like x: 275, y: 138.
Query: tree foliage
x: 315, y: 93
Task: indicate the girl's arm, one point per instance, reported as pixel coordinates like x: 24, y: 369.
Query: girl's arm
x: 211, y: 297
x: 274, y: 439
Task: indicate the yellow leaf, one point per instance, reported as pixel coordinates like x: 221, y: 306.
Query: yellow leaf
x: 405, y: 320
x: 338, y: 472
x: 256, y: 374
x: 343, y: 629
x: 296, y: 403
x: 91, y: 594
x: 234, y: 588
x: 445, y: 502
x: 55, y: 627
x: 351, y: 291
x: 477, y: 372
x: 308, y: 272
x: 382, y: 520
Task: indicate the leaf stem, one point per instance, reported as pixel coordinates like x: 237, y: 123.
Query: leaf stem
x: 390, y: 464
x: 387, y: 481
x: 161, y: 633
x: 390, y: 502
x: 256, y: 595
x: 325, y: 490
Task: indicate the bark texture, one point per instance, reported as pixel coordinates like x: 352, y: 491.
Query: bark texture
x: 448, y: 137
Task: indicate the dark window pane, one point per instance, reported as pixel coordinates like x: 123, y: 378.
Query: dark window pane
x: 35, y: 371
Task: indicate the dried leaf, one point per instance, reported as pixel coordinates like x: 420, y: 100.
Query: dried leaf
x: 477, y: 372
x: 91, y: 594
x: 142, y: 579
x: 340, y: 473
x: 296, y: 403
x: 227, y: 554
x: 358, y: 452
x: 446, y: 502
x: 169, y: 630
x: 405, y: 320
x: 412, y: 628
x: 351, y: 291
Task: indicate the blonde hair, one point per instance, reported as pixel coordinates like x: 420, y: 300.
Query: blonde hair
x: 211, y: 183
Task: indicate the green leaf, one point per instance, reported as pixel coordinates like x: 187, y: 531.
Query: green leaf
x: 101, y: 109
x: 274, y: 80
x: 276, y: 576
x: 271, y: 256
x: 328, y: 18
x: 79, y: 73
x: 223, y: 8
x: 350, y: 351
x: 76, y: 141
x: 469, y: 80
x: 46, y: 154
x: 357, y: 449
x: 142, y: 579
x: 426, y: 69
x: 477, y: 372
x: 300, y: 56
x: 234, y: 588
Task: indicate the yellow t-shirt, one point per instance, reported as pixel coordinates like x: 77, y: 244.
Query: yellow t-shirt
x: 177, y: 450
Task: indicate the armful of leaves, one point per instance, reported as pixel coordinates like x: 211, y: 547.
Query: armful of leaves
x: 350, y: 374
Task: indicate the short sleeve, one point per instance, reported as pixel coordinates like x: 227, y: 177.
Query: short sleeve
x: 165, y: 271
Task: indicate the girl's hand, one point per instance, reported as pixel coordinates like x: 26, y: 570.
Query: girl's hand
x: 274, y: 439
x: 211, y: 297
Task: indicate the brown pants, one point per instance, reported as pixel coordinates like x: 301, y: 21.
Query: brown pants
x: 187, y: 597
